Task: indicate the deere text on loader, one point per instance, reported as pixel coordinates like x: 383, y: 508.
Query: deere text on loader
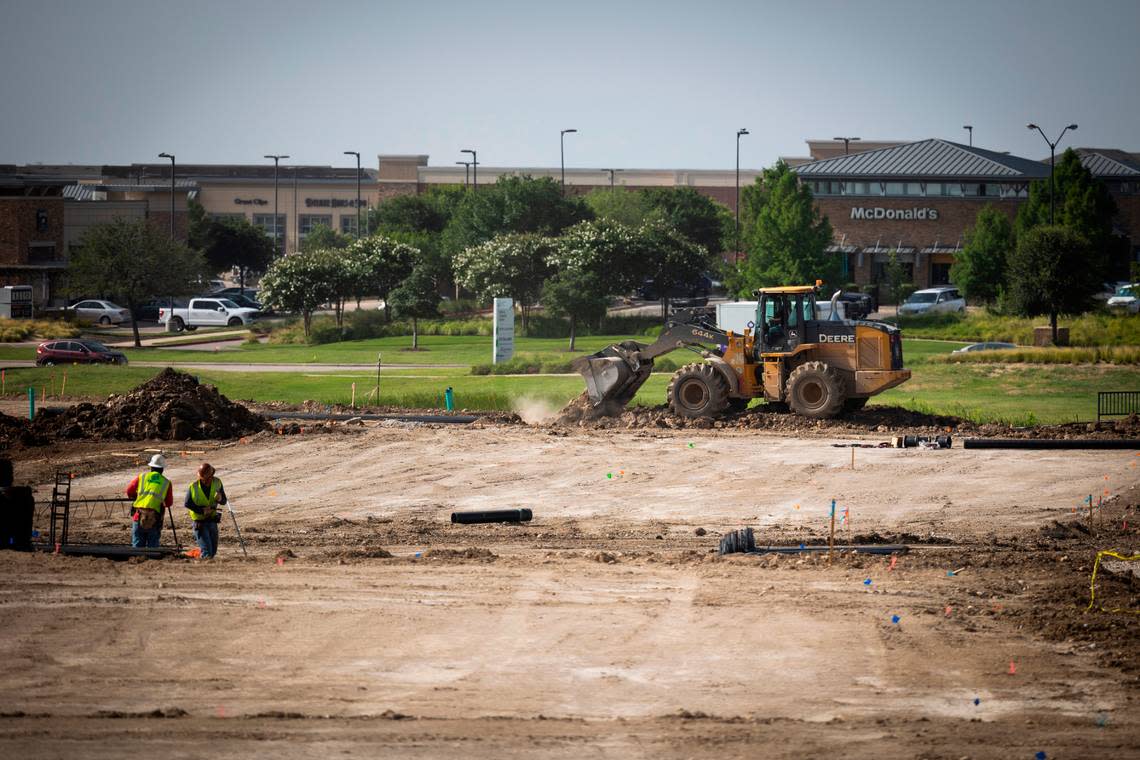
x: 818, y: 368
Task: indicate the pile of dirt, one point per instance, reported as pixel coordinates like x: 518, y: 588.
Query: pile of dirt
x: 582, y: 413
x: 171, y: 406
x: 318, y: 407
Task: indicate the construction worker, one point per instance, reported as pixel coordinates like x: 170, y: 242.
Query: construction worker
x: 202, y: 500
x: 153, y: 495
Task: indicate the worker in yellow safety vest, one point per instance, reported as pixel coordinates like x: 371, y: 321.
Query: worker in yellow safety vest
x: 153, y: 495
x: 202, y: 500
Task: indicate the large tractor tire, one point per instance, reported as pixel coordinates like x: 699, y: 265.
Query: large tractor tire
x: 697, y: 390
x: 854, y: 404
x: 816, y: 390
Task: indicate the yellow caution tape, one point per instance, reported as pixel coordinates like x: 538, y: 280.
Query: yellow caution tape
x: 1092, y: 581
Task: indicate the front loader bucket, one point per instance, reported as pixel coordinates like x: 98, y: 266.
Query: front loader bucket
x: 614, y: 374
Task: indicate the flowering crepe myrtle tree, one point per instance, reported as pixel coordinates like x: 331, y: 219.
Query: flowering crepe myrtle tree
x: 513, y: 265
x: 377, y: 265
x: 301, y: 283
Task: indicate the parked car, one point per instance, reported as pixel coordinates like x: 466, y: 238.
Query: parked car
x: 1108, y: 289
x: 988, y: 346
x: 244, y: 301
x: 858, y: 305
x: 76, y: 352
x: 103, y: 312
x: 933, y: 301
x: 148, y: 312
x: 1127, y: 298
x: 228, y: 292
x: 698, y: 289
x: 204, y: 312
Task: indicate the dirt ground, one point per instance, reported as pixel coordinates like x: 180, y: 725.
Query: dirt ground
x: 365, y: 623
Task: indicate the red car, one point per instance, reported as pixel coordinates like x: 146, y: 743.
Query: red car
x: 76, y: 351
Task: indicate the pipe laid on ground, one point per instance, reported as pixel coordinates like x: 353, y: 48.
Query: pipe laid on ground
x: 492, y: 516
x: 458, y: 419
x: 1050, y: 443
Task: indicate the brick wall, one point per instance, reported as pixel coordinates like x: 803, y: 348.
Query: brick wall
x: 18, y: 227
x: 954, y: 217
x: 160, y: 220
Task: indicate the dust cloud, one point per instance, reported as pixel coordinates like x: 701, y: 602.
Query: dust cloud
x: 534, y: 410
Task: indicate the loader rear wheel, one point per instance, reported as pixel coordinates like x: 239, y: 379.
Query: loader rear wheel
x: 816, y: 390
x: 697, y: 390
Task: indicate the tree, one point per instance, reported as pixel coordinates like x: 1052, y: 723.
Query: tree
x: 416, y: 298
x: 234, y: 242
x: 580, y: 296
x: 130, y: 262
x: 788, y: 239
x: 300, y: 283
x: 696, y: 216
x: 199, y: 224
x: 592, y: 262
x: 513, y: 204
x: 673, y: 259
x: 980, y: 267
x: 629, y: 207
x: 1048, y: 274
x: 323, y: 237
x: 1083, y: 204
x: 419, y: 221
x: 379, y: 264
x: 897, y: 281
x: 512, y: 265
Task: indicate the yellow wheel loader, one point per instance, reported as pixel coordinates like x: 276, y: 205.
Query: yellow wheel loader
x: 818, y: 368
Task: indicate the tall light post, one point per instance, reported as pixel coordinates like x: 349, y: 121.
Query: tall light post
x: 847, y: 142
x: 969, y: 128
x: 357, y: 154
x: 171, y: 157
x: 1052, y: 160
x: 739, y: 133
x: 474, y: 168
x: 611, y: 171
x: 562, y: 151
x: 466, y: 173
x: 276, y: 162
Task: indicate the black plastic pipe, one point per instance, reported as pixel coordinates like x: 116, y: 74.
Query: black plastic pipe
x: 1049, y: 443
x: 492, y: 516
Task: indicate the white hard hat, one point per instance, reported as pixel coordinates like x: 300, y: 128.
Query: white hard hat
x: 157, y: 461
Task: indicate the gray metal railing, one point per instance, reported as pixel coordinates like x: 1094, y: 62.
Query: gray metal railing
x: 1117, y: 404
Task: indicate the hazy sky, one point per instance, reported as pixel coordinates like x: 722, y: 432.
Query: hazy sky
x: 648, y: 84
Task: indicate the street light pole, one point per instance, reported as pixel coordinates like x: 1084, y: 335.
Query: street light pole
x: 276, y: 161
x: 739, y: 132
x: 969, y: 128
x: 357, y: 154
x: 562, y: 148
x: 847, y: 142
x: 466, y: 173
x: 171, y: 157
x: 611, y: 171
x: 1052, y: 160
x: 474, y: 168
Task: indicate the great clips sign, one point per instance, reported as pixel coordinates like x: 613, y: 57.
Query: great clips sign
x: 910, y: 214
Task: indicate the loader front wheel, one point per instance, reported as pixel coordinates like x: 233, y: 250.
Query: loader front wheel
x: 697, y: 390
x: 816, y: 390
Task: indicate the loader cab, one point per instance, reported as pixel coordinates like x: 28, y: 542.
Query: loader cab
x: 781, y: 318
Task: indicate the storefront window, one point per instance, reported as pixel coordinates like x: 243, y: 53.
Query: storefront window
x: 861, y: 188
x: 913, y: 188
x: 896, y: 188
x: 265, y: 222
x: 940, y: 274
x: 348, y: 224
x: 307, y: 222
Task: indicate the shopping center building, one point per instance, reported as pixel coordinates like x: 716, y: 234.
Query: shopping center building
x: 919, y: 200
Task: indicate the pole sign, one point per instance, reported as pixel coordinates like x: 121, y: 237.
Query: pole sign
x: 503, y: 329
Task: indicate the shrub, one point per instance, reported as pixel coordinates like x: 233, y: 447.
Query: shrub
x: 16, y: 330
x: 1091, y: 329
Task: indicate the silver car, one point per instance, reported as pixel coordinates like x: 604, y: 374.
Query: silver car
x: 103, y: 312
x: 933, y: 301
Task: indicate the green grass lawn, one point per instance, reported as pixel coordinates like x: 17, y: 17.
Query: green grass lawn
x: 437, y: 349
x: 1021, y: 394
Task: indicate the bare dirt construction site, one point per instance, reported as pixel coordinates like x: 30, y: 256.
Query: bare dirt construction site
x: 364, y: 623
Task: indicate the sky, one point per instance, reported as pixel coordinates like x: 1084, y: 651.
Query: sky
x: 662, y: 84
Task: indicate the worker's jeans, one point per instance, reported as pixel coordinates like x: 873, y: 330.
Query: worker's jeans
x: 206, y: 534
x: 147, y: 539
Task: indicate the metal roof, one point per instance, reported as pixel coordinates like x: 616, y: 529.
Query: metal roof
x: 926, y: 159
x: 1109, y: 162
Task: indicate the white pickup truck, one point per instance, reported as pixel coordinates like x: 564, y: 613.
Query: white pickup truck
x: 205, y: 312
